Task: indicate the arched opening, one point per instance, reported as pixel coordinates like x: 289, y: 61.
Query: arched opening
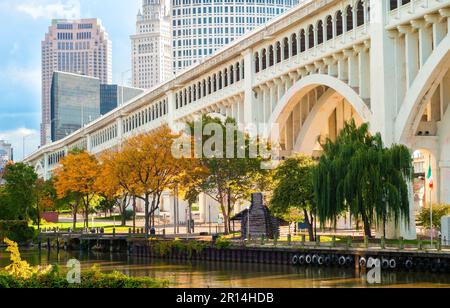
x: 225, y: 80
x: 271, y: 56
x: 286, y: 48
x: 278, y: 59
x: 311, y: 38
x: 329, y: 27
x: 393, y: 4
x: 209, y: 86
x: 238, y: 71
x: 320, y: 34
x: 264, y: 59
x: 360, y: 13
x: 339, y: 23
x: 294, y: 44
x: 220, y: 79
x: 232, y: 73
x: 423, y: 161
x: 302, y: 40
x: 256, y: 62
x: 349, y: 12
x: 214, y: 83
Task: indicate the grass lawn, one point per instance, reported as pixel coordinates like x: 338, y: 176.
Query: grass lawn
x: 64, y: 226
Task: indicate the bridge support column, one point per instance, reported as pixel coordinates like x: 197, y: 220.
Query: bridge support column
x: 445, y: 181
x: 171, y: 109
x: 383, y: 85
x: 249, y: 97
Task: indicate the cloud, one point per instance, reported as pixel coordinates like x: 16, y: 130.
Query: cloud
x: 24, y: 77
x: 14, y: 49
x: 16, y: 138
x: 50, y: 9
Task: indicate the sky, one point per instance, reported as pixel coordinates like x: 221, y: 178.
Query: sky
x: 23, y: 24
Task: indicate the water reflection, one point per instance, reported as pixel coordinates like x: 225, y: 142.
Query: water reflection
x: 232, y: 275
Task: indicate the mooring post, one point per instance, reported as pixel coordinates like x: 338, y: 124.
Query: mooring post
x: 318, y: 241
x: 289, y: 239
x: 262, y: 239
x: 383, y: 243
x: 349, y: 242
x: 303, y: 240
x: 420, y: 245
x: 402, y: 243
x: 366, y: 242
x: 357, y: 257
x: 333, y: 241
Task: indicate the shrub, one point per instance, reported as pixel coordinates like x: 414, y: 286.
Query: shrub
x: 222, y: 243
x: 20, y: 274
x: 17, y: 230
x: 439, y: 211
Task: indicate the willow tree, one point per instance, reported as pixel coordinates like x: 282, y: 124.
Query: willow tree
x: 357, y: 174
x: 294, y: 190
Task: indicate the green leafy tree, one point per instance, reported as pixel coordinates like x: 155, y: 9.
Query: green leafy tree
x: 439, y: 211
x: 19, y: 191
x: 230, y: 177
x: 357, y: 174
x: 294, y: 190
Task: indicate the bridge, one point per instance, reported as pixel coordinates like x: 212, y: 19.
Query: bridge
x: 385, y: 62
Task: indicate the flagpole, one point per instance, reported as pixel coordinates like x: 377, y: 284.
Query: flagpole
x: 431, y: 208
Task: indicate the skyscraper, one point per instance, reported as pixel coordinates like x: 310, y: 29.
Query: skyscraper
x: 200, y: 27
x: 112, y: 96
x: 6, y: 155
x: 75, y: 101
x: 151, y: 45
x: 74, y: 46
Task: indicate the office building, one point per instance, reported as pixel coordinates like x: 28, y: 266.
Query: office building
x: 152, y: 45
x: 200, y: 27
x: 73, y: 46
x: 112, y: 96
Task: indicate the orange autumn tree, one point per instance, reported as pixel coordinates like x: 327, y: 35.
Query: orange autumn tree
x: 154, y: 169
x: 77, y: 175
x: 118, y: 179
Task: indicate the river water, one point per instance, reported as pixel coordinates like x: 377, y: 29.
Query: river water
x: 232, y: 275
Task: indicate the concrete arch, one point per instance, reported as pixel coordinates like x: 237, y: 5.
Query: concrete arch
x: 424, y: 84
x: 305, y: 85
x: 307, y: 138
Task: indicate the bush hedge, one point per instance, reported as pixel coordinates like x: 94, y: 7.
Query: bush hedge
x: 92, y: 279
x: 17, y: 230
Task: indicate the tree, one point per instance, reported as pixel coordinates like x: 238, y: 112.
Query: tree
x: 109, y: 185
x: 230, y: 178
x: 294, y: 190
x: 77, y: 176
x: 121, y: 179
x: 357, y: 174
x: 154, y: 169
x: 46, y: 198
x: 439, y: 211
x: 19, y: 191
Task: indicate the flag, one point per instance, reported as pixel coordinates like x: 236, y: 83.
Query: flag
x: 430, y: 177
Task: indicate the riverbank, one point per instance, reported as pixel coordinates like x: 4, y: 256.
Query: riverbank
x: 329, y: 254
x: 205, y: 274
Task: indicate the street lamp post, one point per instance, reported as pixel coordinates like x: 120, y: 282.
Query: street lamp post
x: 23, y: 143
x: 248, y: 223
